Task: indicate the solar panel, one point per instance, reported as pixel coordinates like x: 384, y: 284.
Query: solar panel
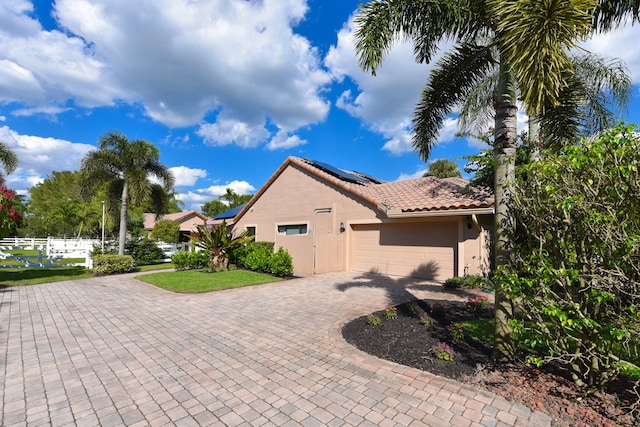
x: 339, y: 173
x: 369, y: 177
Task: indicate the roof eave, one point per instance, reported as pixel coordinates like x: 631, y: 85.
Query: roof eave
x: 398, y: 213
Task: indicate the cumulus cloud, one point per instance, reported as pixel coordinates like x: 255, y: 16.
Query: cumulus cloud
x: 38, y: 157
x: 186, y: 176
x: 192, y: 59
x: 196, y: 198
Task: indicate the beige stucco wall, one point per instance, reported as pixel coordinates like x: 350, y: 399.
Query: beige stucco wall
x: 297, y: 197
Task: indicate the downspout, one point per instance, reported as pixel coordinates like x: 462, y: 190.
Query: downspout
x: 315, y: 223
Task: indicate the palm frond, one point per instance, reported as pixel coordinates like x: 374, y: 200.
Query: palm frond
x: 381, y: 23
x: 613, y: 13
x: 535, y: 37
x: 8, y: 158
x: 477, y: 107
x: 449, y: 83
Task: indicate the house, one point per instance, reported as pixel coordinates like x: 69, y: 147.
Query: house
x: 188, y: 220
x: 330, y: 219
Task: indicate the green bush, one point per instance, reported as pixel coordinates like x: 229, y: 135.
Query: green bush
x: 144, y: 251
x: 184, y: 260
x: 472, y: 281
x: 112, y: 264
x: 257, y: 259
x: 259, y: 256
x: 281, y: 263
x: 239, y: 255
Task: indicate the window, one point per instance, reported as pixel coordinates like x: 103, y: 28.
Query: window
x: 291, y: 230
x: 251, y: 230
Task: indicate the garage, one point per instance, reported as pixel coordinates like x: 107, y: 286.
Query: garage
x: 424, y: 250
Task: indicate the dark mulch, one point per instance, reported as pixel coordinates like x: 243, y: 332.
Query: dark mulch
x: 406, y: 341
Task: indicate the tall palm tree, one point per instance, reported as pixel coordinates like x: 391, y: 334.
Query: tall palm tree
x: 528, y: 42
x: 125, y: 166
x: 8, y: 159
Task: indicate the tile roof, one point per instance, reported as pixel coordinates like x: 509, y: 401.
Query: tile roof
x: 414, y: 195
x: 422, y: 196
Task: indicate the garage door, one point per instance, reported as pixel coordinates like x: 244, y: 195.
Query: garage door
x: 416, y: 250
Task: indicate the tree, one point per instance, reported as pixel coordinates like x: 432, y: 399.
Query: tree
x: 219, y: 241
x: 8, y: 159
x: 215, y: 207
x: 577, y: 272
x: 443, y: 168
x: 125, y: 166
x: 527, y: 42
x: 166, y: 230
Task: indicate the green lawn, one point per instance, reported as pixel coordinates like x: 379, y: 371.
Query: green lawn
x: 191, y: 281
x: 35, y: 276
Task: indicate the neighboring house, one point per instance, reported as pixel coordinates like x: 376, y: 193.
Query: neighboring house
x: 331, y: 220
x: 188, y: 220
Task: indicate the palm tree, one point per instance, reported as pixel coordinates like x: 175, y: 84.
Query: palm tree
x: 219, y: 241
x: 125, y: 166
x: 527, y: 42
x: 8, y: 159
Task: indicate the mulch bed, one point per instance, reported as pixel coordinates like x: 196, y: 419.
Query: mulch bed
x: 405, y: 340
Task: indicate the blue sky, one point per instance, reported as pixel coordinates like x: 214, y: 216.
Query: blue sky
x: 226, y: 89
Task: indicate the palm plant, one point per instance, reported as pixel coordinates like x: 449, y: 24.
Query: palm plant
x: 518, y: 48
x: 125, y: 166
x: 8, y: 159
x: 219, y: 241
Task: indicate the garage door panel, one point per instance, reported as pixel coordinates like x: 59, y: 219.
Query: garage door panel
x: 418, y: 250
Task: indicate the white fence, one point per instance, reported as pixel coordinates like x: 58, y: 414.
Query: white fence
x: 55, y: 249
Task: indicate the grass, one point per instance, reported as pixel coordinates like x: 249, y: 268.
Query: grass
x: 33, y: 254
x: 35, y: 276
x: 191, y: 281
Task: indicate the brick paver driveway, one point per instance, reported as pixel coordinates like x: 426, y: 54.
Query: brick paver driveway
x: 115, y: 351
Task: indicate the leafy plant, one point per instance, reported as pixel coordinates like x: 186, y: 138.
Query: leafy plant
x: 575, y: 272
x: 426, y: 320
x: 457, y: 331
x: 442, y: 351
x: 281, y: 263
x: 474, y: 305
x: 391, y: 313
x: 144, y: 251
x: 190, y: 260
x: 219, y: 241
x: 373, y: 320
x: 166, y: 230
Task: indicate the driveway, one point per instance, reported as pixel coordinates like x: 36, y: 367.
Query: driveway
x: 115, y: 351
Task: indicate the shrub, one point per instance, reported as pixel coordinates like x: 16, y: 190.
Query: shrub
x: 258, y: 259
x: 144, y: 251
x: 281, y: 263
x: 239, y: 254
x: 167, y: 231
x: 373, y: 320
x: 576, y: 266
x: 184, y: 260
x: 112, y: 264
x: 471, y: 281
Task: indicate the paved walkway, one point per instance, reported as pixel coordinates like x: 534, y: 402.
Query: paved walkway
x: 115, y: 351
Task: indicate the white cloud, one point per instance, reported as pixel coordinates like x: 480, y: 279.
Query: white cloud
x: 191, y: 58
x: 227, y: 131
x: 186, y: 176
x: 38, y: 157
x: 622, y: 44
x: 283, y: 141
x: 385, y: 102
x: 196, y: 198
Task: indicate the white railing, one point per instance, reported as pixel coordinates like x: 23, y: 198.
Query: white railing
x: 55, y: 249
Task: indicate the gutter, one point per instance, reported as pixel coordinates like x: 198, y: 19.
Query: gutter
x: 398, y: 213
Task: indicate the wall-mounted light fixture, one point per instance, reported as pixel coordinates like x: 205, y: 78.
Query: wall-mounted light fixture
x: 342, y: 229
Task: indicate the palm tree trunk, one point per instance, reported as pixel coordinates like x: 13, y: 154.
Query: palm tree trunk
x: 123, y: 218
x: 504, y: 151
